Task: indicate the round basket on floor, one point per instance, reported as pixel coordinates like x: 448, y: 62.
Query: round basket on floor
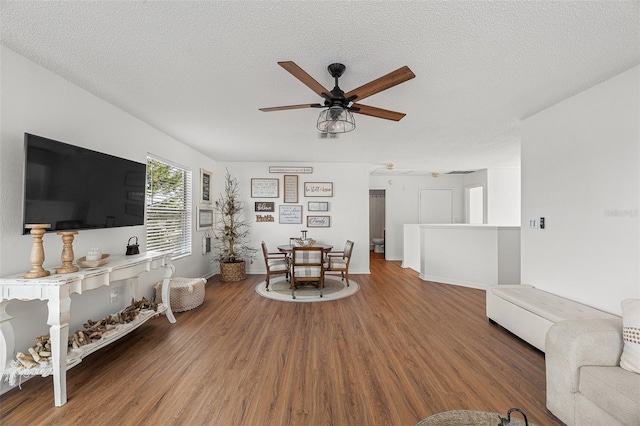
x: 185, y: 293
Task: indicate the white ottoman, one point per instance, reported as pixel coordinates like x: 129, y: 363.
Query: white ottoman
x: 185, y: 293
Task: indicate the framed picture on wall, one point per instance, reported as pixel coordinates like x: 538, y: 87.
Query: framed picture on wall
x: 205, y: 187
x: 318, y: 221
x: 265, y: 206
x: 290, y: 188
x: 318, y: 189
x: 318, y: 206
x: 205, y: 218
x: 265, y: 188
x: 290, y: 214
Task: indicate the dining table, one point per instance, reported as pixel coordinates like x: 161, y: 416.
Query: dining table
x: 288, y: 248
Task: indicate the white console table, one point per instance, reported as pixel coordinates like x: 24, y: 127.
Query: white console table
x: 57, y: 289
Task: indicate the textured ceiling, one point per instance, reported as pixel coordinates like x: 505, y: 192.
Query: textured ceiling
x: 199, y: 71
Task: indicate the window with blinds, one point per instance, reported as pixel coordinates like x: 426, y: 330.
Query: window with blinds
x: 168, y: 207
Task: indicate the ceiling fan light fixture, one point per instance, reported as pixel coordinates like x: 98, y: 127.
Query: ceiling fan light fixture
x: 336, y: 119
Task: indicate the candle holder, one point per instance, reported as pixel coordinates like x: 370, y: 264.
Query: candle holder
x: 37, y: 251
x: 67, y: 253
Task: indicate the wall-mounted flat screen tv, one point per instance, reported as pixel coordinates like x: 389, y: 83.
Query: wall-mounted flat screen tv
x: 71, y: 187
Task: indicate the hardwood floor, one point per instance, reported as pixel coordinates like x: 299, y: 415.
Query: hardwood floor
x: 397, y: 351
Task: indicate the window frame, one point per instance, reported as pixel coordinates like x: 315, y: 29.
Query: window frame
x: 183, y: 246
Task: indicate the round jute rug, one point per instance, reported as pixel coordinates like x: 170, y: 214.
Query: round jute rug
x: 334, y: 289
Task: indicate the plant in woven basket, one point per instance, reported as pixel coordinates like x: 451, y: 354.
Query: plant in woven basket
x: 231, y: 231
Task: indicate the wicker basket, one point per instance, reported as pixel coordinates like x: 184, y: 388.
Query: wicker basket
x: 185, y: 293
x: 232, y: 271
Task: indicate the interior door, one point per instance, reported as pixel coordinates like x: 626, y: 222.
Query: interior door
x: 436, y: 205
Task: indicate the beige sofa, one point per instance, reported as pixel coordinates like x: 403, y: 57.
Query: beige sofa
x: 585, y: 385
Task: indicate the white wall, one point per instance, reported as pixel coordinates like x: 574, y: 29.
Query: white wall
x: 478, y: 178
x: 470, y: 255
x: 580, y: 170
x: 37, y: 101
x: 402, y: 195
x: 503, y: 197
x: 501, y: 200
x: 348, y: 208
x: 411, y: 247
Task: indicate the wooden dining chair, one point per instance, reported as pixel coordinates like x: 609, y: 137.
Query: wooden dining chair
x: 307, y: 267
x: 276, y: 263
x: 338, y: 261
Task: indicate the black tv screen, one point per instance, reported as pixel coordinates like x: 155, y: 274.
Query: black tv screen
x: 76, y: 188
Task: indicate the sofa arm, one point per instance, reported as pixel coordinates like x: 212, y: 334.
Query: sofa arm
x: 570, y: 345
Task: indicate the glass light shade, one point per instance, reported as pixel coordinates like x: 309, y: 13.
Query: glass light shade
x: 336, y: 119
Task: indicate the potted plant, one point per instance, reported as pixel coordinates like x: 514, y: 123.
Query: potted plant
x: 231, y: 233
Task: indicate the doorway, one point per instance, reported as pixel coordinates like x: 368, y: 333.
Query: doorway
x: 474, y: 201
x: 376, y: 220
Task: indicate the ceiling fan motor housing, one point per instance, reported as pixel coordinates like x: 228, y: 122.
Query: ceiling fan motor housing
x: 336, y: 70
x: 337, y: 95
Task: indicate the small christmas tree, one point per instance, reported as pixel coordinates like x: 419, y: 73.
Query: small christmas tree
x: 231, y: 231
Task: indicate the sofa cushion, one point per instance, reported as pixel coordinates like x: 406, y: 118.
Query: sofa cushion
x: 614, y: 390
x: 547, y: 305
x: 630, y: 359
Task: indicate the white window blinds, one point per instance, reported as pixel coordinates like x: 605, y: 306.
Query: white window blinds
x: 168, y: 207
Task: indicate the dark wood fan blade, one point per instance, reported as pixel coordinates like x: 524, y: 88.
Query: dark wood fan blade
x: 282, y: 108
x: 305, y: 78
x: 392, y: 79
x: 377, y: 112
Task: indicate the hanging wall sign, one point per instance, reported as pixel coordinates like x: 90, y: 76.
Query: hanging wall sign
x: 318, y: 189
x: 290, y: 188
x: 290, y: 214
x: 318, y: 221
x: 265, y: 206
x: 285, y: 169
x: 265, y: 218
x: 264, y: 188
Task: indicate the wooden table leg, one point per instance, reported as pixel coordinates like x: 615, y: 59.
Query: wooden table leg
x: 59, y: 305
x: 7, y: 337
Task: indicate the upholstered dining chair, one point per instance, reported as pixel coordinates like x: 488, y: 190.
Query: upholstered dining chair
x: 276, y: 263
x: 338, y: 261
x: 307, y: 266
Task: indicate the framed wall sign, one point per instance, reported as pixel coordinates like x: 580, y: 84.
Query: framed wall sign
x: 318, y: 221
x: 265, y: 188
x: 265, y: 206
x: 290, y: 188
x: 318, y: 206
x: 290, y: 214
x: 318, y: 189
x: 205, y: 218
x: 265, y: 218
x: 205, y: 187
x: 206, y: 243
x: 289, y: 169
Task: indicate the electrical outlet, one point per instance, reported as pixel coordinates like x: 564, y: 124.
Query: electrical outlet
x: 114, y: 296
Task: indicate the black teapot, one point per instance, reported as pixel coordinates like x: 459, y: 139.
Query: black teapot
x: 132, y: 248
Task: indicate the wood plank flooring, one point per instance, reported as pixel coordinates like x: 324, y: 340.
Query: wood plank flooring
x: 397, y: 351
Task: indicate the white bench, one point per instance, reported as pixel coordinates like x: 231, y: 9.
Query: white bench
x: 529, y: 312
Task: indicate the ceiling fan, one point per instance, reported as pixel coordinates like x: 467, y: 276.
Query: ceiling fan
x: 338, y: 117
